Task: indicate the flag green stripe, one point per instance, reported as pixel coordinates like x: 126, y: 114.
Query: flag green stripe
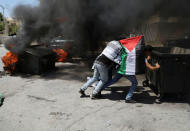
x: 122, y: 69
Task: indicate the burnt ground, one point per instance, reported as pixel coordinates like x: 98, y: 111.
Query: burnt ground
x: 51, y: 103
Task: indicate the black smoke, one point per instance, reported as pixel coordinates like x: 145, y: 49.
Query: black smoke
x: 86, y: 21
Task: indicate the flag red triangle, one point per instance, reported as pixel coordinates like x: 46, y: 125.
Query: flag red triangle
x: 131, y: 43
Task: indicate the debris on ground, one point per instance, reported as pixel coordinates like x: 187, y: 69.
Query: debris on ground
x: 1, y: 99
x: 41, y: 98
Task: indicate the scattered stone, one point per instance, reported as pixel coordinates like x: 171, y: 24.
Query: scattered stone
x: 139, y: 106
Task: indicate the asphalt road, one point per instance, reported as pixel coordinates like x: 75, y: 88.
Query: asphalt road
x: 51, y: 103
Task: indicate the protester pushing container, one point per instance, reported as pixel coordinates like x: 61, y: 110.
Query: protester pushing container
x: 173, y: 75
x: 110, y: 55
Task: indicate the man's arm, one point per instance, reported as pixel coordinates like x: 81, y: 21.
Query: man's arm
x: 149, y: 66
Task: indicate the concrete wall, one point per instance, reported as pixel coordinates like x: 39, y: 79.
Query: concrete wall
x: 160, y: 29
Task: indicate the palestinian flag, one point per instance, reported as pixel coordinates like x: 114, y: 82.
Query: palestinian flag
x: 131, y: 50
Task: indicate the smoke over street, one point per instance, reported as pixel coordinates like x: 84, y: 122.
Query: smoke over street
x: 86, y: 21
x: 95, y: 65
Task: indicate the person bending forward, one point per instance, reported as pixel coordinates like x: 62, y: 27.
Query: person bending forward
x: 111, y: 54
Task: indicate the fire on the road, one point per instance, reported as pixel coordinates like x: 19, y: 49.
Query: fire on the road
x: 62, y: 55
x: 10, y: 60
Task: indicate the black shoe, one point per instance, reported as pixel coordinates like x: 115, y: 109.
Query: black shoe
x: 146, y: 83
x: 130, y: 101
x: 99, y: 94
x: 82, y: 93
x: 94, y: 96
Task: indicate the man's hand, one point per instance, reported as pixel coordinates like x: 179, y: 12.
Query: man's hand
x: 157, y: 66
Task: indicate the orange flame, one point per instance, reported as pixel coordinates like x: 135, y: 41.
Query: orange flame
x: 9, y: 60
x: 62, y: 55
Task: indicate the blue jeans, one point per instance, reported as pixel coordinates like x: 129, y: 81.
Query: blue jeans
x: 131, y: 78
x: 99, y: 71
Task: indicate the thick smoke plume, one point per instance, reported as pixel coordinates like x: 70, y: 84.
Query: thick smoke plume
x: 85, y: 21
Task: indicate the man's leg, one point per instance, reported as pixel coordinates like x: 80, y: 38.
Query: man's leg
x: 116, y: 78
x: 110, y: 73
x: 133, y: 80
x: 103, y: 70
x: 147, y: 76
x: 91, y: 80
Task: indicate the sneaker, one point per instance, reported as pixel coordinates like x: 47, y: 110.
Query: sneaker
x: 99, y: 94
x: 94, y: 96
x: 130, y: 101
x: 145, y: 83
x: 82, y: 93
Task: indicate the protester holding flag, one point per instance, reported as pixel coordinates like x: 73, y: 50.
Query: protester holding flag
x: 128, y: 65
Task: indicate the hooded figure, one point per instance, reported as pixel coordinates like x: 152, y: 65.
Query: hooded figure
x: 110, y: 55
